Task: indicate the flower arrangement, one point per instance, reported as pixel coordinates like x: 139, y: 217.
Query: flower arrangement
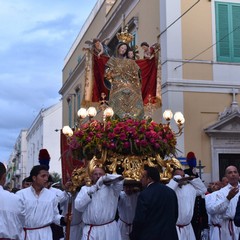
x: 123, y: 136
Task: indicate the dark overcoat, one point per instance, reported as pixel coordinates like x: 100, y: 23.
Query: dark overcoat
x: 156, y: 214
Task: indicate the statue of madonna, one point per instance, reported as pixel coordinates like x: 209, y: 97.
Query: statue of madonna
x: 122, y: 78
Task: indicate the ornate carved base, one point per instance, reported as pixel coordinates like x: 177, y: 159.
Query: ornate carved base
x: 130, y: 166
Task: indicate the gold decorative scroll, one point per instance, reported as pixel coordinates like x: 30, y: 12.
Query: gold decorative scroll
x: 88, y: 76
x: 159, y: 79
x: 131, y: 167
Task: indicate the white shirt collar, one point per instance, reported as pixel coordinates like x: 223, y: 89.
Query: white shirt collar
x: 150, y: 184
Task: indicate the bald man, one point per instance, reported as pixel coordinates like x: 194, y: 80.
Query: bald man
x: 221, y: 206
x: 98, y: 205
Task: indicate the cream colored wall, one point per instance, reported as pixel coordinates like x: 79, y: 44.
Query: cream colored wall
x: 197, y: 71
x: 199, y: 116
x: 196, y: 37
x: 72, y: 63
x: 95, y: 26
x: 149, y: 22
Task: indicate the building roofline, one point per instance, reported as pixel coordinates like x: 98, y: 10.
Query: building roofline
x: 84, y: 28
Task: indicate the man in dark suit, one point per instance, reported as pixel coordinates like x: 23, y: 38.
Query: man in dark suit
x: 157, y: 210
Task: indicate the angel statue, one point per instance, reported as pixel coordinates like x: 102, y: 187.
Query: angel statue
x: 99, y: 48
x: 133, y: 53
x: 149, y: 51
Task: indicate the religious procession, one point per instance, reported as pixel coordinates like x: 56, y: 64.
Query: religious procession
x: 111, y: 207
x: 126, y: 187
x: 121, y: 175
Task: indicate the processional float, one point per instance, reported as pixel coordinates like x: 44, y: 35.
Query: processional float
x: 122, y: 145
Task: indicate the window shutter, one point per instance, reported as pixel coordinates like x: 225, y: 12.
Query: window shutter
x: 236, y: 32
x: 70, y: 114
x: 223, y: 39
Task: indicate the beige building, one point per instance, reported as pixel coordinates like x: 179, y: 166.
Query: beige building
x: 200, y: 56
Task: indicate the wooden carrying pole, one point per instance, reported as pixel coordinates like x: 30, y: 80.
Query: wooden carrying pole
x: 69, y: 213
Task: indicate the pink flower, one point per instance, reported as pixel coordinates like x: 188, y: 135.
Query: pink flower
x: 156, y: 145
x: 91, y: 134
x: 152, y: 140
x: 142, y: 129
x: 169, y: 136
x: 137, y: 141
x: 143, y: 122
x: 134, y: 135
x: 79, y: 133
x: 160, y: 133
x: 143, y: 143
x: 89, y: 139
x: 111, y: 145
x: 117, y: 130
x: 122, y: 136
x: 74, y: 144
x: 111, y: 135
x: 154, y: 124
x: 99, y: 135
x: 128, y: 129
x: 126, y: 145
x: 151, y: 134
x: 120, y: 125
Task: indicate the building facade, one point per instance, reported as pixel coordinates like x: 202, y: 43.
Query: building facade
x: 44, y: 133
x: 200, y: 53
x: 17, y: 162
x: 200, y: 77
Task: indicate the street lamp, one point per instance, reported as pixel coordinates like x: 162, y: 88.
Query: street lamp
x: 91, y: 112
x: 108, y: 113
x: 179, y: 119
x: 67, y: 131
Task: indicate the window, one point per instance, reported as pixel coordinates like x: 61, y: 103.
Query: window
x: 69, y: 112
x: 133, y: 43
x: 79, y: 59
x: 78, y: 100
x: 228, y: 32
x: 78, y: 95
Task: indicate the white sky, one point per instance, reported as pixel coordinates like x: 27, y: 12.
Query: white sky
x: 35, y: 38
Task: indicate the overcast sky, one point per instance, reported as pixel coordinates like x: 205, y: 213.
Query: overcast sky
x: 35, y: 38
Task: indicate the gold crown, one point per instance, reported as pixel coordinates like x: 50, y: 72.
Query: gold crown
x: 125, y: 36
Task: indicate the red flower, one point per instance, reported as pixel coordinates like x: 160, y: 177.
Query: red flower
x: 122, y: 136
x: 137, y: 137
x: 126, y: 145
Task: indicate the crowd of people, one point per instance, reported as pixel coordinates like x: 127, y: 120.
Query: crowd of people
x: 110, y: 209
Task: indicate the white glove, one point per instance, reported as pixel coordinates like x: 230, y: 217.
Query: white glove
x: 177, y: 177
x: 100, y: 181
x: 194, y: 171
x: 92, y: 190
